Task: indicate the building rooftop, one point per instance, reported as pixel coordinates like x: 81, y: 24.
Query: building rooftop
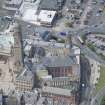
x: 30, y: 15
x: 25, y: 75
x: 51, y: 4
x: 28, y: 12
x: 58, y: 61
x: 14, y: 1
x: 57, y: 91
x: 4, y: 23
x: 46, y: 16
x: 6, y: 41
x: 40, y: 101
x: 30, y: 97
x: 43, y: 74
x: 47, y: 44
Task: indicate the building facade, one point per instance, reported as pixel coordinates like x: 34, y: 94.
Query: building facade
x: 12, y: 4
x: 59, y: 95
x: 25, y: 81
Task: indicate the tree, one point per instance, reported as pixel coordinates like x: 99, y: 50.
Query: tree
x: 103, y: 101
x: 69, y: 24
x: 92, y: 47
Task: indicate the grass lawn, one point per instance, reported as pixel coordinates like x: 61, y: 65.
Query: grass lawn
x: 101, y: 82
x: 103, y: 101
x: 92, y: 47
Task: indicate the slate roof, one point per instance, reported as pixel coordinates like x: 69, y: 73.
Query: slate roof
x: 58, y: 61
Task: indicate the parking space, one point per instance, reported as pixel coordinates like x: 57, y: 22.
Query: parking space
x: 97, y: 15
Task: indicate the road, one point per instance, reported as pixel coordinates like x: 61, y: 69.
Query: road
x: 85, y: 78
x: 86, y: 51
x: 86, y: 92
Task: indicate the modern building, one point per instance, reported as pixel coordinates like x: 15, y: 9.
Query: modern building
x: 47, y: 17
x: 29, y: 12
x: 24, y: 81
x: 31, y: 15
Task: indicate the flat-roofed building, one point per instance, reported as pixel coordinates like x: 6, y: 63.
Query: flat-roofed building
x: 29, y: 12
x: 6, y: 44
x: 46, y: 17
x: 43, y: 74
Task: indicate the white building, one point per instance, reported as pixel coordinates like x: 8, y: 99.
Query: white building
x: 46, y: 17
x: 28, y: 12
x: 6, y: 43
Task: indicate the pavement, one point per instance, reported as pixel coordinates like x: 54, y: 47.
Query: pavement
x: 88, y: 77
x: 95, y: 71
x: 92, y: 75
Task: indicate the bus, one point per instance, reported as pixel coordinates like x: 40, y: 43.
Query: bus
x: 80, y: 40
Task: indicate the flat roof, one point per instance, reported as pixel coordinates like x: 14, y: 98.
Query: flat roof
x: 6, y: 41
x: 4, y: 23
x: 47, y: 44
x: 30, y: 15
x: 46, y: 16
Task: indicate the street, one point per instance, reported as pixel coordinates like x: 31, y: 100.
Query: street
x: 85, y: 79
